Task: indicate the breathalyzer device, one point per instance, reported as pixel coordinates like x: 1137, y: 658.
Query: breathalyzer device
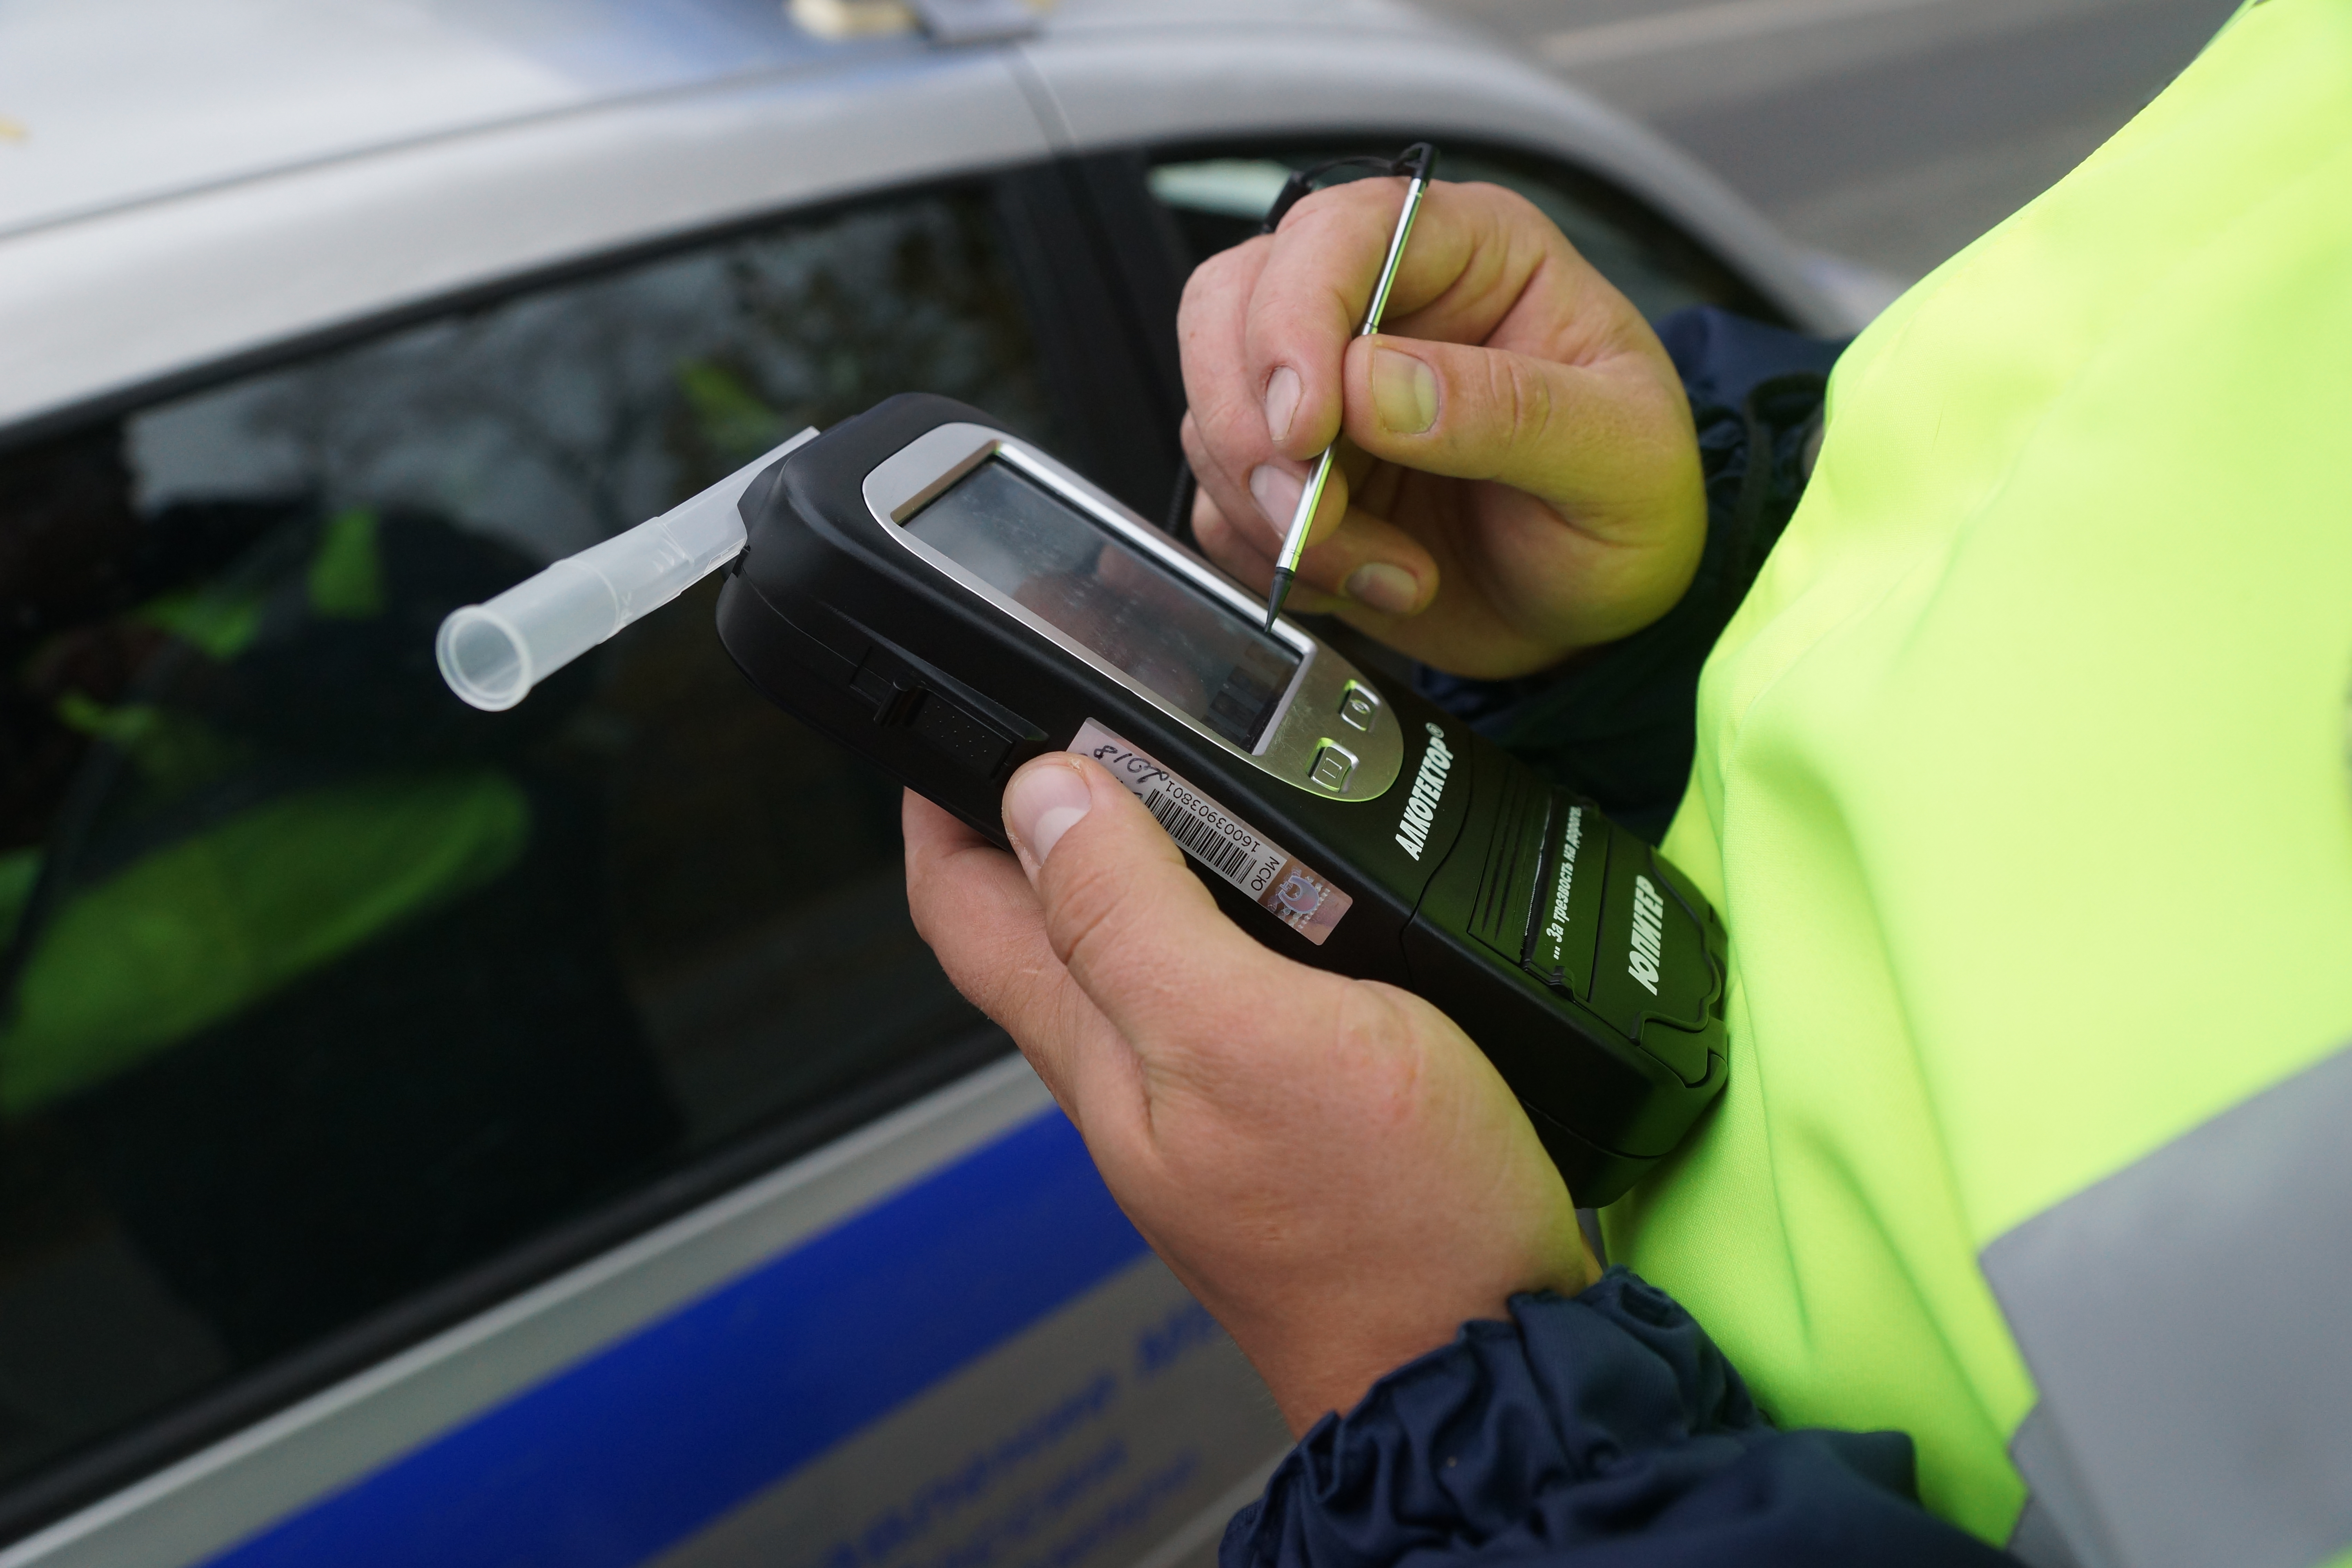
x: 946, y: 599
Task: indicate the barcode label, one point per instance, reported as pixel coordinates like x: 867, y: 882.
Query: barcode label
x: 1240, y: 854
x: 1195, y: 836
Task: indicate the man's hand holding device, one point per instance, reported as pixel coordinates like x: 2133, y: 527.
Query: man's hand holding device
x: 1330, y: 1165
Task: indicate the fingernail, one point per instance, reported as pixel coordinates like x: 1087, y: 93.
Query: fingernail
x: 1404, y: 393
x: 1377, y: 585
x: 1282, y: 390
x: 1042, y: 804
x: 1277, y: 491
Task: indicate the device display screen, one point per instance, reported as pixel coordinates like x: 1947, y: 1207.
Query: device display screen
x: 1196, y: 654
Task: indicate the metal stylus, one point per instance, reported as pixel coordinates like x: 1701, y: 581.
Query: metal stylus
x: 1293, y: 542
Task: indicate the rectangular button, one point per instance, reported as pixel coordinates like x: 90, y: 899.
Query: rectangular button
x: 1356, y: 706
x: 1332, y: 766
x: 966, y: 738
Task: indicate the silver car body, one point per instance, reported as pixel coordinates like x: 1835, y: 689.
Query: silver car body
x: 194, y: 183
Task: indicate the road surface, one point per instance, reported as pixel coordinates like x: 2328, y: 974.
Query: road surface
x: 1887, y: 131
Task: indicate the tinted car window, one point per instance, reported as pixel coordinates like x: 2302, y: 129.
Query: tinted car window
x: 1219, y: 195
x: 320, y: 987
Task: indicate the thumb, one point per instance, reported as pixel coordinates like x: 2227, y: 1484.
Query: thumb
x: 1137, y: 930
x: 1586, y: 437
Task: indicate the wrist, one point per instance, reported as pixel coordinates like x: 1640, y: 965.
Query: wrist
x: 1329, y: 1360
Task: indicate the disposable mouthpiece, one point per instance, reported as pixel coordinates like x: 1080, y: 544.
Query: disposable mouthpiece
x: 492, y: 654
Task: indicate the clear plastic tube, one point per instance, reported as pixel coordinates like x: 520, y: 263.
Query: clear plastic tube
x: 493, y: 654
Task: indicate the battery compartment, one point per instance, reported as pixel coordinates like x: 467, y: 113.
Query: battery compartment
x: 1557, y: 891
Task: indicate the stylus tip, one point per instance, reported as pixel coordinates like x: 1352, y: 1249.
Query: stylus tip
x: 1275, y: 595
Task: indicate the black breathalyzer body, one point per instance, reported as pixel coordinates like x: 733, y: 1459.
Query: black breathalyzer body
x: 949, y: 600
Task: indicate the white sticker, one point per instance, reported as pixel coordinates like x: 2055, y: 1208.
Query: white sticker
x: 1298, y: 896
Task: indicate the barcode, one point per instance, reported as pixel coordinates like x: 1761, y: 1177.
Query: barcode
x: 1292, y: 893
x: 1223, y: 857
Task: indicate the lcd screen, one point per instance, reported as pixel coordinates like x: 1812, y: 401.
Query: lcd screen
x: 1195, y: 654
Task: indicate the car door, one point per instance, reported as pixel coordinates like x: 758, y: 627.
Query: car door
x: 437, y: 1136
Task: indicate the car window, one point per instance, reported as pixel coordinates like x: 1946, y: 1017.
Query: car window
x: 321, y: 988
x: 1218, y: 195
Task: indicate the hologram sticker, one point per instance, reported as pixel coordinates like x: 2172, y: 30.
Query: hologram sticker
x: 1296, y: 895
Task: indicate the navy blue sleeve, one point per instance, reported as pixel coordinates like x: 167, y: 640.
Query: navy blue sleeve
x: 1605, y: 1431
x: 1618, y: 725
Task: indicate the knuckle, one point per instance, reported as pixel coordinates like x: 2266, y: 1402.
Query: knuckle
x: 1512, y: 225
x: 919, y: 906
x: 1505, y: 205
x: 1210, y: 530
x: 1219, y: 289
x: 1213, y: 279
x: 1381, y: 1045
x: 1369, y: 1021
x: 1520, y: 408
x: 1531, y: 400
x: 930, y: 897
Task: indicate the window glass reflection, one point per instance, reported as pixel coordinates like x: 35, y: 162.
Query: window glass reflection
x: 322, y: 988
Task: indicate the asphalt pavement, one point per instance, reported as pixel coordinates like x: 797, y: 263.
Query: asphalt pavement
x: 1890, y: 133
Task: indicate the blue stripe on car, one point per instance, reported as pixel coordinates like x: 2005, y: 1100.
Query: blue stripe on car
x: 636, y: 1447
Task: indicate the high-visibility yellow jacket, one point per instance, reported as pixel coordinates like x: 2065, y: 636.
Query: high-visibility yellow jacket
x: 2022, y: 784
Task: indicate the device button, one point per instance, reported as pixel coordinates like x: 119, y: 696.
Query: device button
x: 1358, y: 705
x: 1333, y: 764
x: 964, y: 736
x: 892, y: 694
x: 1680, y: 1049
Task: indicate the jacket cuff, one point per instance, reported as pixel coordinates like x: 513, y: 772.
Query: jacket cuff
x: 1573, y: 1431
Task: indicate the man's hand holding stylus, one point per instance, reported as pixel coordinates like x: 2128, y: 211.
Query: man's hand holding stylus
x: 1518, y: 479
